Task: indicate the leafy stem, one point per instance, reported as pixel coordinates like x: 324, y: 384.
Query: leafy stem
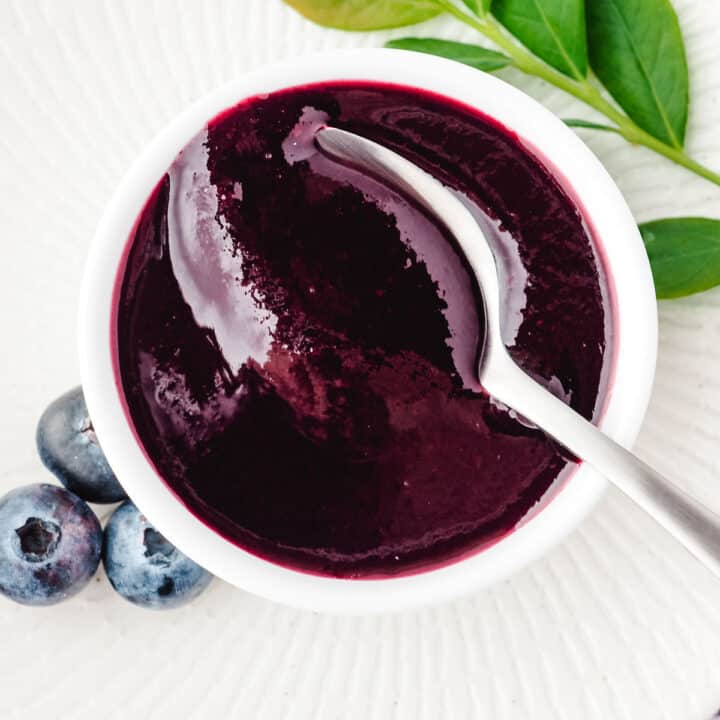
x: 624, y: 58
x: 582, y: 88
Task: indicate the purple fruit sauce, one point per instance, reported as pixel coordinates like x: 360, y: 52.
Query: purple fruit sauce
x: 297, y: 344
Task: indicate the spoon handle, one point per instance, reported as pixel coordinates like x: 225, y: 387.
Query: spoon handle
x: 693, y: 524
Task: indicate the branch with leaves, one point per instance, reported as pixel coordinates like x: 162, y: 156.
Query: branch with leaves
x: 623, y: 58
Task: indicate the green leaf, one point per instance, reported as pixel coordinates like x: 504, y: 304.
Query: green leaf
x: 684, y: 254
x: 473, y: 55
x: 363, y: 15
x: 474, y: 6
x: 637, y: 51
x: 575, y: 122
x: 553, y: 29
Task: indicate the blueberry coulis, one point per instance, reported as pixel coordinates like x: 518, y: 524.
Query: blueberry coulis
x: 296, y: 343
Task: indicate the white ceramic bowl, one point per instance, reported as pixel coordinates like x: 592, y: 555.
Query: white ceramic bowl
x: 634, y: 328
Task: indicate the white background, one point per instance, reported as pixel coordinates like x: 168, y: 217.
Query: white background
x: 616, y: 623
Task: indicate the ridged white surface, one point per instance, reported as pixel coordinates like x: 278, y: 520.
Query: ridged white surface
x: 617, y: 623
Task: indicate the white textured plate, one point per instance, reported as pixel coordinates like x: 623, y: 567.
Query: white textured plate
x: 616, y: 623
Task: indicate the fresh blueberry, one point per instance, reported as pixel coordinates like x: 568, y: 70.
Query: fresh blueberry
x: 50, y: 543
x: 69, y: 448
x: 144, y: 567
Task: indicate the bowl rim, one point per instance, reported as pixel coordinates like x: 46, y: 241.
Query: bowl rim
x: 634, y: 331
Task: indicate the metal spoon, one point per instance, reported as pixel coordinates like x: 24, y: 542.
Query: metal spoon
x: 690, y: 522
